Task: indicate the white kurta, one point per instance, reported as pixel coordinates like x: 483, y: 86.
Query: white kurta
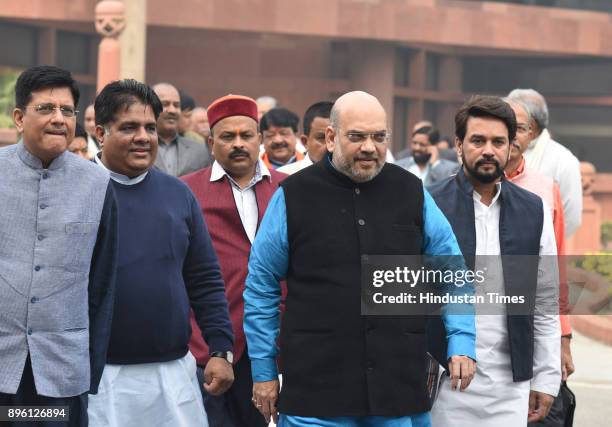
x: 149, y: 394
x: 493, y: 399
x: 552, y: 159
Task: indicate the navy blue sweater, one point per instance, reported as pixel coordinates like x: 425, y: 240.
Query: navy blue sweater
x: 166, y: 264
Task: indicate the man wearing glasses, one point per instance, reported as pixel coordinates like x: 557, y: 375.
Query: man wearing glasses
x: 341, y: 368
x: 57, y: 254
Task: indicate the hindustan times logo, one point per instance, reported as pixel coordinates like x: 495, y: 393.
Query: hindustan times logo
x: 411, y: 277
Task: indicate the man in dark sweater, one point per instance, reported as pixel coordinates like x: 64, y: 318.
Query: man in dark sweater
x: 167, y: 265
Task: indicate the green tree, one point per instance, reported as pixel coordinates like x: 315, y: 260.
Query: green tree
x: 7, y: 98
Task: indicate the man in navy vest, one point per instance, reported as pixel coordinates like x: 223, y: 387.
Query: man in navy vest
x: 510, y: 232
x: 341, y: 368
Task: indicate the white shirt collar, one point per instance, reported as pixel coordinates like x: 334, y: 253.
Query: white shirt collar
x: 121, y: 179
x: 478, y: 197
x: 261, y: 170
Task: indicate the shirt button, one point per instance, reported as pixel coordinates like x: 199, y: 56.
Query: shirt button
x: 45, y: 175
x: 40, y: 237
x: 361, y: 222
x: 43, y: 206
x: 37, y: 268
x: 34, y: 300
x: 357, y: 191
x: 30, y: 331
x: 370, y: 365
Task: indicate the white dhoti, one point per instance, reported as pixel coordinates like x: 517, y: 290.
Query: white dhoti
x: 492, y: 399
x: 151, y: 394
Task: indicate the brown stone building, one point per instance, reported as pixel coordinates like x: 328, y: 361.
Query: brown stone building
x: 422, y: 58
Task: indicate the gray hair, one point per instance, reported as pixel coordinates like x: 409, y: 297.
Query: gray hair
x: 520, y: 103
x: 268, y: 100
x: 534, y: 103
x: 334, y: 118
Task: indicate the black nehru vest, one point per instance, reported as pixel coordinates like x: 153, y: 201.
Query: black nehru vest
x: 520, y: 228
x: 335, y: 361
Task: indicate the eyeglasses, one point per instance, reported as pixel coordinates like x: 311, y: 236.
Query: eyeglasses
x: 48, y: 109
x: 360, y: 137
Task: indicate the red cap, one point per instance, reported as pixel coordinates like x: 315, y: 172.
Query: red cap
x: 231, y: 105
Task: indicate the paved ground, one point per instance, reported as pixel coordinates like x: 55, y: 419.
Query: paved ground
x: 592, y: 382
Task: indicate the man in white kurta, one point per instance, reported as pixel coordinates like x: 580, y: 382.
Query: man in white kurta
x: 552, y: 159
x: 493, y: 399
x: 485, y: 127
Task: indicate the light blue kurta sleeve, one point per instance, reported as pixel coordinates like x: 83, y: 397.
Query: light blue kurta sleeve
x: 262, y: 295
x: 439, y: 240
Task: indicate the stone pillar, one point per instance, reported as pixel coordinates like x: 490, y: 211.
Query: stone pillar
x: 450, y: 81
x: 418, y: 72
x: 110, y: 22
x: 373, y: 72
x: 134, y: 41
x: 587, y: 238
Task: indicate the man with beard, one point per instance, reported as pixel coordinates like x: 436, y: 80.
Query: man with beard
x: 341, y: 368
x: 518, y: 372
x: 425, y: 161
x: 177, y: 156
x: 233, y: 194
x: 279, y: 128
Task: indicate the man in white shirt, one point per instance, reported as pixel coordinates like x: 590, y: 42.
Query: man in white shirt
x: 552, y: 159
x: 233, y: 194
x: 316, y: 120
x: 507, y: 233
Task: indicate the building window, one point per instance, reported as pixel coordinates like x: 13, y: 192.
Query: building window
x: 402, y: 67
x: 74, y: 52
x: 18, y: 46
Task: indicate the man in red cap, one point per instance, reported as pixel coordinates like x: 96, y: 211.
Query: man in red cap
x: 233, y: 193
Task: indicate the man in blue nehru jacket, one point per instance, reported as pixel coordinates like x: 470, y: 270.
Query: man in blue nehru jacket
x: 510, y: 230
x: 166, y: 265
x: 341, y: 368
x: 57, y: 255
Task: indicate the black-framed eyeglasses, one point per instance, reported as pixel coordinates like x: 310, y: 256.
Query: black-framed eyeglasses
x: 379, y: 137
x: 48, y: 109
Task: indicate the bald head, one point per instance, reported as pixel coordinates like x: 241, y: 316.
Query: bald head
x: 357, y: 136
x: 199, y: 122
x: 167, y: 123
x: 355, y: 103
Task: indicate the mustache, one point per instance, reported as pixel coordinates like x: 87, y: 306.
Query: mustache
x: 276, y: 145
x: 486, y: 161
x: 172, y: 116
x: 366, y: 157
x: 239, y: 152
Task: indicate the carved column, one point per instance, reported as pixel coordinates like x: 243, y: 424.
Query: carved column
x: 110, y: 22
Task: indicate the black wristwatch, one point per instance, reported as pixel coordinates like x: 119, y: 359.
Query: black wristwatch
x: 227, y: 355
